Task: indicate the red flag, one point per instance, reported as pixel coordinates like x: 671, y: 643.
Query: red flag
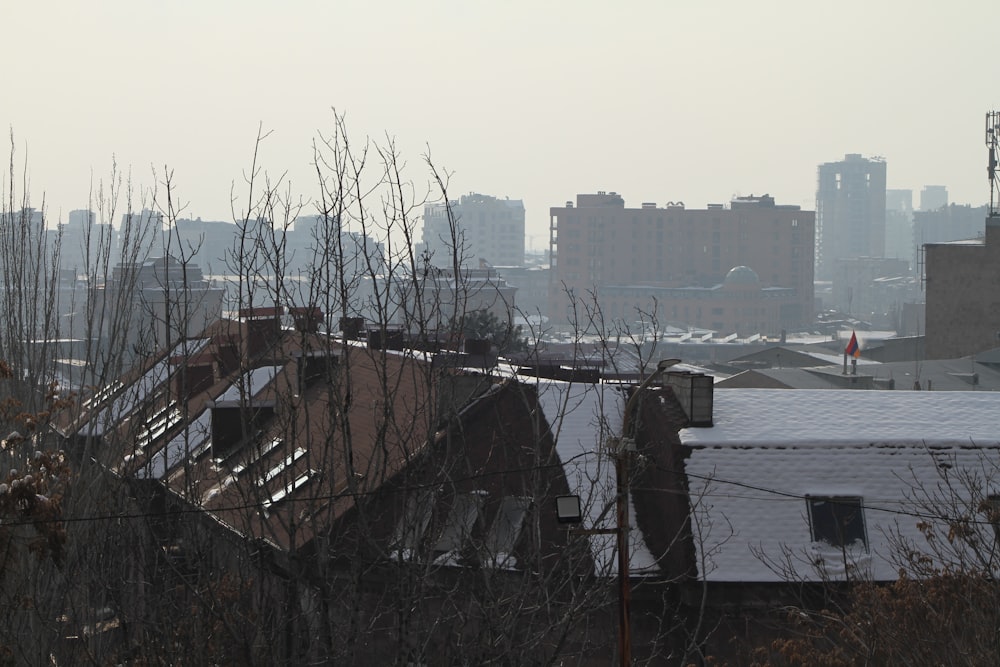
x: 852, y: 348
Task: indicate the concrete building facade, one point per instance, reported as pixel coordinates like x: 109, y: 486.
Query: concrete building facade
x: 962, y: 283
x: 629, y: 255
x: 168, y: 301
x: 933, y: 197
x: 850, y: 211
x: 955, y: 222
x: 899, y: 225
x: 738, y: 306
x: 491, y: 229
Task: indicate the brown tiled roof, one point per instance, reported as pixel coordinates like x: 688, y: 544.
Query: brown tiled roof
x: 301, y: 454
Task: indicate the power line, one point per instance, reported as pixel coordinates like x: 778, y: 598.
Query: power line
x: 770, y: 494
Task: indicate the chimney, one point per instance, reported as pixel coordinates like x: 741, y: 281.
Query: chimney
x: 389, y: 339
x: 477, y: 346
x: 263, y: 328
x: 227, y: 355
x: 351, y: 327
x: 307, y: 318
x: 695, y: 393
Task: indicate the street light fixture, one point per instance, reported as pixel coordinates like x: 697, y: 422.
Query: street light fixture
x: 568, y: 509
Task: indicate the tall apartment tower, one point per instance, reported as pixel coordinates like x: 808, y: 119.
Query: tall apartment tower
x: 492, y: 231
x: 850, y: 212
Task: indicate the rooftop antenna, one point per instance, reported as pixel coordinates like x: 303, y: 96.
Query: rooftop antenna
x: 993, y: 144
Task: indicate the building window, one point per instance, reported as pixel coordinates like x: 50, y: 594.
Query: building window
x: 837, y: 520
x: 463, y: 517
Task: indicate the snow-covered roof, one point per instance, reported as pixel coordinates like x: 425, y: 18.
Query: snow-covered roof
x: 752, y: 474
x: 809, y: 417
x: 582, y: 417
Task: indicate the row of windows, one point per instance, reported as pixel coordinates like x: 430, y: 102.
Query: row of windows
x: 690, y: 222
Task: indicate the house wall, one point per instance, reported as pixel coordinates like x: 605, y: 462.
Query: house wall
x: 755, y: 511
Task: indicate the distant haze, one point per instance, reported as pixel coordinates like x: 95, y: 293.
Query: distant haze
x: 659, y: 101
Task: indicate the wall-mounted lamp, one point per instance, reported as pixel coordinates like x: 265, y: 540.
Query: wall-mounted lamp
x: 568, y: 509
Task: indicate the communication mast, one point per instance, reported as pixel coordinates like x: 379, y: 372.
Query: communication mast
x: 993, y: 144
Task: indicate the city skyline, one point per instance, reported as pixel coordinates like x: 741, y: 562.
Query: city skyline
x: 531, y: 102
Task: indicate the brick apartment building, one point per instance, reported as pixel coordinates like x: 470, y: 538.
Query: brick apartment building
x: 682, y: 257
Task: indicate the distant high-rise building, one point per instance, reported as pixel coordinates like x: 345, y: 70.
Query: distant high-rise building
x: 168, y: 300
x: 491, y: 230
x: 81, y: 242
x: 954, y: 222
x: 899, y: 225
x: 850, y: 211
x: 933, y: 197
x: 745, y: 267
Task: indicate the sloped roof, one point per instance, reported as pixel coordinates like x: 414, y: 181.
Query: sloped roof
x: 750, y: 474
x: 944, y: 374
x: 582, y: 417
x: 775, y: 378
x: 795, y: 356
x: 318, y: 444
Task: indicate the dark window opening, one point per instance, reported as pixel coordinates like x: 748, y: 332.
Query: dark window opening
x: 837, y: 520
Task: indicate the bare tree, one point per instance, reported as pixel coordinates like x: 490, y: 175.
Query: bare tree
x: 367, y: 503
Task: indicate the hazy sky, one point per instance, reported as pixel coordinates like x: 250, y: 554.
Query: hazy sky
x: 660, y: 101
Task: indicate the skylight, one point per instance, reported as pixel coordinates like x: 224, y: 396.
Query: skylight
x: 191, y: 441
x: 141, y: 390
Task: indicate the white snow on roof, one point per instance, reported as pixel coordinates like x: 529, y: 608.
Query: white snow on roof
x: 750, y: 475
x: 582, y: 417
x: 809, y: 417
x: 140, y: 390
x: 251, y: 383
x: 834, y: 359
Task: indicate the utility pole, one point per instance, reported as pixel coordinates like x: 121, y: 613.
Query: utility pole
x: 624, y: 451
x: 568, y: 509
